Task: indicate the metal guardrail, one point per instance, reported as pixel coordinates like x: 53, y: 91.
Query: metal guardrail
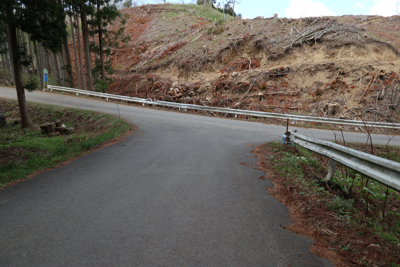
x: 382, y: 170
x: 228, y: 110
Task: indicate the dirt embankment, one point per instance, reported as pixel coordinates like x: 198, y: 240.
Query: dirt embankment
x: 342, y: 67
x: 352, y: 220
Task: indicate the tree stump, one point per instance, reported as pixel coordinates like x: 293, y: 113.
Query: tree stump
x: 48, y: 128
x: 65, y: 130
x: 332, y: 109
x: 70, y: 130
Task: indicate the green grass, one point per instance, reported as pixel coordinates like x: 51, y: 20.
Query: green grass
x: 28, y: 150
x: 376, y: 37
x: 346, y: 187
x: 355, y: 203
x: 204, y: 12
x: 89, y: 143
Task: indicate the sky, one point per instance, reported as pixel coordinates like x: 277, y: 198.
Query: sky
x: 311, y: 8
x: 307, y: 8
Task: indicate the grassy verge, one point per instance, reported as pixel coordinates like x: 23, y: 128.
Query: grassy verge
x: 205, y: 12
x: 353, y: 220
x: 24, y: 151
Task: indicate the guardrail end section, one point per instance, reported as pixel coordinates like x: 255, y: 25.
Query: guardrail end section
x: 332, y: 167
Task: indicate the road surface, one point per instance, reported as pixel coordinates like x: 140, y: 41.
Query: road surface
x: 172, y: 194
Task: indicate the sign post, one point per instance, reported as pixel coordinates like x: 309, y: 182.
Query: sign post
x: 45, y: 79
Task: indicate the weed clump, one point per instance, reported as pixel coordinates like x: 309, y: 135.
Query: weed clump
x: 216, y: 30
x: 347, y: 214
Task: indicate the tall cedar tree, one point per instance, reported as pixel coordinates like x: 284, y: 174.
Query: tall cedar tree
x: 105, y: 14
x: 102, y: 13
x: 68, y: 66
x: 70, y: 14
x: 78, y: 34
x: 43, y: 20
x: 85, y: 10
x: 3, y: 46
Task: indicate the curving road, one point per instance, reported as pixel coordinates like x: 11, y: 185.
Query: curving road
x: 172, y: 194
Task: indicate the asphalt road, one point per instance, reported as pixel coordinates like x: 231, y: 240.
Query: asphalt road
x: 172, y: 194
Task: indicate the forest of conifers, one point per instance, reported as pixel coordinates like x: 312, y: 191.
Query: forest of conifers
x: 38, y: 35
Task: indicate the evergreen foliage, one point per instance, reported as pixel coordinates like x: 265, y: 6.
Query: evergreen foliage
x: 43, y: 21
x: 105, y: 14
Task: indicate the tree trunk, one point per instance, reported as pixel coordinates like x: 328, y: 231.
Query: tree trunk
x: 94, y: 38
x: 88, y: 63
x: 38, y: 64
x: 73, y: 42
x: 10, y: 55
x: 23, y: 45
x: 43, y: 56
x: 101, y: 52
x: 55, y: 69
x: 8, y: 67
x: 80, y: 53
x: 3, y: 62
x: 30, y: 53
x: 26, y: 122
x: 66, y: 59
x: 62, y: 66
x: 8, y: 64
x: 68, y: 66
x: 47, y: 60
x: 2, y: 56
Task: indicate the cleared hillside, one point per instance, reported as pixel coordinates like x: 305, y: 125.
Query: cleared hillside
x: 343, y: 67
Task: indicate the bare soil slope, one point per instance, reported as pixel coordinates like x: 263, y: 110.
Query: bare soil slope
x: 343, y: 67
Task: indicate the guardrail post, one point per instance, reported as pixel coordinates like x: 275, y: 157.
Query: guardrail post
x: 332, y: 167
